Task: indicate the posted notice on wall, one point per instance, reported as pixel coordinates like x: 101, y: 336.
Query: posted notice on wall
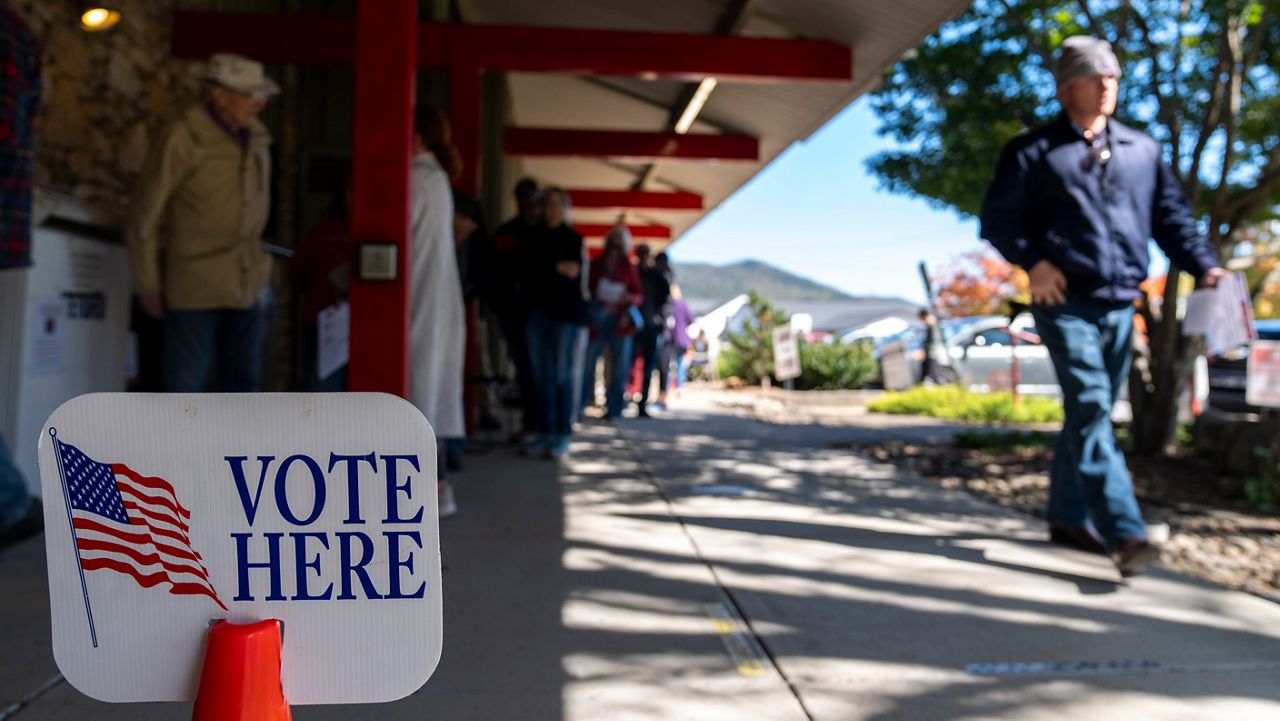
x: 333, y: 339
x: 164, y: 513
x: 1223, y: 315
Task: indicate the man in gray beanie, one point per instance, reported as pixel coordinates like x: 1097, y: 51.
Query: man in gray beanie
x: 1075, y: 202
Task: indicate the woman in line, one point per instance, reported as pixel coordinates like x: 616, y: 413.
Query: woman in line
x: 616, y: 293
x: 437, y: 326
x: 557, y: 312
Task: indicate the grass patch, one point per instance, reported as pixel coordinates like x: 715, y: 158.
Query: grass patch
x: 956, y: 404
x: 998, y: 442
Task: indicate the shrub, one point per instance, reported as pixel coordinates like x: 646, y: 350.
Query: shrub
x: 748, y: 354
x: 835, y: 366
x: 954, y: 403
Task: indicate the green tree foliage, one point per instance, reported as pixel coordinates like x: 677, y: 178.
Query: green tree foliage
x: 1201, y: 76
x: 836, y: 366
x: 748, y: 354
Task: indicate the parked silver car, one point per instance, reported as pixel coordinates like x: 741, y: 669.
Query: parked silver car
x: 980, y: 352
x: 982, y: 356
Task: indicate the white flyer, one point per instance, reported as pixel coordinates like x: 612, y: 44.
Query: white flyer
x: 333, y: 339
x: 1223, y: 315
x: 610, y: 291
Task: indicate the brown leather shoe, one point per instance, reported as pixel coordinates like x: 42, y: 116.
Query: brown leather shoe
x: 1081, y: 539
x: 1134, y: 555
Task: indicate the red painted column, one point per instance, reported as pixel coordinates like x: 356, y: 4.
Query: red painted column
x: 386, y: 41
x: 464, y: 117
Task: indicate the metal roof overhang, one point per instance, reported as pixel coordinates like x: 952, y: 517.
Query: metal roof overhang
x: 777, y: 114
x: 617, y: 72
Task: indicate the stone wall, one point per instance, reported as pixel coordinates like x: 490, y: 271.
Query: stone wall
x: 106, y: 95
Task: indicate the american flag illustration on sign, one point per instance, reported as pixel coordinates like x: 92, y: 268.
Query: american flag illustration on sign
x: 133, y: 524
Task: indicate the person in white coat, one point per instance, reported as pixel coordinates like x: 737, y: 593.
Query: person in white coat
x: 437, y: 322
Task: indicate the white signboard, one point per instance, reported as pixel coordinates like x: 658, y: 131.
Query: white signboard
x: 786, y: 354
x: 1263, y: 386
x: 895, y: 367
x: 165, y: 512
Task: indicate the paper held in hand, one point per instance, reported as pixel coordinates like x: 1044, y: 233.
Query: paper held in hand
x: 1223, y: 315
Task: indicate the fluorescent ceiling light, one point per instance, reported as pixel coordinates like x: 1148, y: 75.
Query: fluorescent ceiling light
x: 698, y: 100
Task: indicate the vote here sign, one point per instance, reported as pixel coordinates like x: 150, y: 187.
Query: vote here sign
x: 166, y: 512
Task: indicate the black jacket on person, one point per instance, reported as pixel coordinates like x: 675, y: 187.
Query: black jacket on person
x: 1052, y: 199
x: 560, y: 297
x: 657, y: 294
x: 501, y: 262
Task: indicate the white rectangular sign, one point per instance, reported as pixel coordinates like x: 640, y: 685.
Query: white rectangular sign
x: 165, y: 512
x: 1223, y: 315
x: 1263, y: 385
x: 786, y: 354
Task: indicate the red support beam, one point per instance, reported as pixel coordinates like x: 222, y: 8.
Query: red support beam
x: 322, y: 39
x: 639, y: 232
x: 385, y: 45
x: 654, y: 54
x: 556, y: 142
x: 635, y: 199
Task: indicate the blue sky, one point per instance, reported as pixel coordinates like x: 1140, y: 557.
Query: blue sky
x: 816, y: 212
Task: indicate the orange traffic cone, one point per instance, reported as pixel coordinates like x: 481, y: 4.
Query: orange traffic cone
x: 240, y: 680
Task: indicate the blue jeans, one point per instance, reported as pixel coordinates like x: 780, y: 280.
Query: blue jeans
x: 551, y: 348
x: 14, y: 499
x: 649, y: 347
x: 516, y: 337
x: 1089, y: 343
x: 192, y: 338
x: 619, y: 349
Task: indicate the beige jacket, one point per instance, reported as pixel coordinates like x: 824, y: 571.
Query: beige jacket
x: 198, y: 211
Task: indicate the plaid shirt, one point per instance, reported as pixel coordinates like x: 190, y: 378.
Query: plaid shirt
x: 19, y: 103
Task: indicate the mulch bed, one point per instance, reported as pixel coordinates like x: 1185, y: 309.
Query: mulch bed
x: 1214, y: 535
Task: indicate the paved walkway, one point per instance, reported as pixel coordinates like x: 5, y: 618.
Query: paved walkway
x: 750, y: 571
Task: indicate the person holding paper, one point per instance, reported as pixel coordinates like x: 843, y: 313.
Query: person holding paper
x: 616, y: 293
x: 1075, y: 202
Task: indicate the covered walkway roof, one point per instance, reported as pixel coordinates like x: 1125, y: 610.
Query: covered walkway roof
x: 661, y: 109
x: 776, y: 113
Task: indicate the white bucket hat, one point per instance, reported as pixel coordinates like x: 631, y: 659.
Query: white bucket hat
x: 238, y: 73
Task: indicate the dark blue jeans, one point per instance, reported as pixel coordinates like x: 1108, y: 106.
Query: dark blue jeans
x: 1090, y: 347
x: 648, y: 347
x: 516, y: 337
x: 551, y: 349
x: 193, y: 338
x: 619, y: 349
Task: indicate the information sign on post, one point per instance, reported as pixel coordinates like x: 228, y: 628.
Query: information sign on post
x: 786, y: 354
x: 164, y: 513
x: 1263, y: 385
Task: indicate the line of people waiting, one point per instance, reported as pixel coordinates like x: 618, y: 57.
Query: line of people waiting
x: 199, y: 210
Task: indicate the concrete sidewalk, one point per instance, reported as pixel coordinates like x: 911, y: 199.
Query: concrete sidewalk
x: 750, y: 571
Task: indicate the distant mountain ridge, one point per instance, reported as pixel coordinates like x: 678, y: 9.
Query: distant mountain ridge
x: 720, y: 283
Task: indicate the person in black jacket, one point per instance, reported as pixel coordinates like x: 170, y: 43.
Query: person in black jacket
x: 556, y: 296
x: 1074, y: 203
x: 499, y: 265
x: 657, y: 294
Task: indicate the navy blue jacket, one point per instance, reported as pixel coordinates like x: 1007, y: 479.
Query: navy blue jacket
x: 1047, y: 201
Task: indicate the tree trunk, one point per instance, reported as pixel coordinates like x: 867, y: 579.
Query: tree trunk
x: 1155, y: 390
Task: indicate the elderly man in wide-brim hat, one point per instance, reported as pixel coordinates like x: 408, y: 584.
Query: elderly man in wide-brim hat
x: 195, y: 230
x: 1075, y: 203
